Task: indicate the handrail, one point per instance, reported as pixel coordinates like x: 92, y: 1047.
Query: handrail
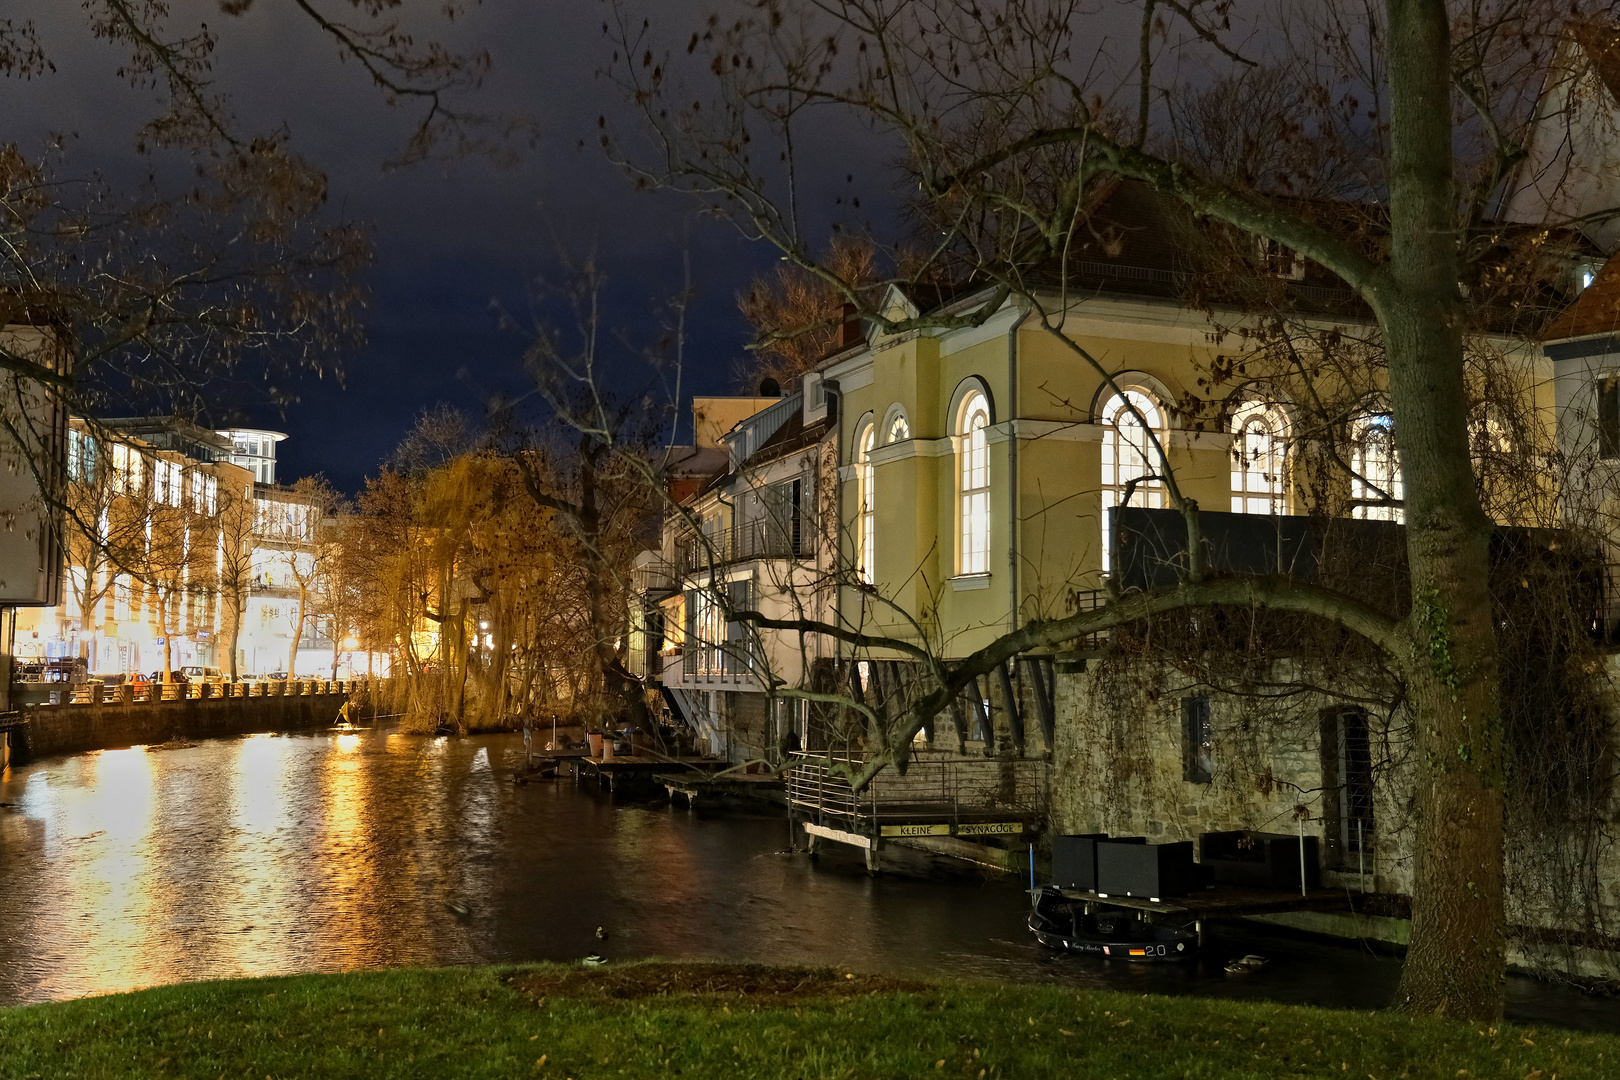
x: 760, y: 538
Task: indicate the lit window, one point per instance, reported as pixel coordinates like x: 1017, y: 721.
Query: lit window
x: 168, y: 482
x: 899, y: 430
x: 1375, y: 486
x: 1127, y: 457
x: 129, y: 469
x: 866, y: 478
x: 81, y: 456
x: 973, y: 453
x: 1259, y: 460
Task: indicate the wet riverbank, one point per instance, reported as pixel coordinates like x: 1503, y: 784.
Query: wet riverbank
x: 329, y: 852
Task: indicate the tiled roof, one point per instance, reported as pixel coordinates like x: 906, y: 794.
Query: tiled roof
x: 1137, y: 241
x: 1595, y: 311
x: 1601, y: 44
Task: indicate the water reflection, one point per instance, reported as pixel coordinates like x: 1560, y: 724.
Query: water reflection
x: 326, y: 852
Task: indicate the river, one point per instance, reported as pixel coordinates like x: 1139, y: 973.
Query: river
x: 273, y: 854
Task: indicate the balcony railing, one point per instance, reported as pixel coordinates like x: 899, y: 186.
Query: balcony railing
x: 656, y: 576
x: 764, y: 539
x: 714, y: 661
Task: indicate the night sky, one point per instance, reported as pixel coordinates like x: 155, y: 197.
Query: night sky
x: 453, y: 239
x: 458, y: 241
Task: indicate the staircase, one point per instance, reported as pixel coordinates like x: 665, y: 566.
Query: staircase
x: 687, y: 711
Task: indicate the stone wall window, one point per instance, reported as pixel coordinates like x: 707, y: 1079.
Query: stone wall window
x: 1347, y: 787
x: 1198, y: 741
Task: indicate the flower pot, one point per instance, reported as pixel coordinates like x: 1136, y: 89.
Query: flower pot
x: 595, y: 739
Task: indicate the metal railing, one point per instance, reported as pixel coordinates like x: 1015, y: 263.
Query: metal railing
x: 942, y: 786
x: 654, y: 577
x: 759, y: 539
x: 712, y: 661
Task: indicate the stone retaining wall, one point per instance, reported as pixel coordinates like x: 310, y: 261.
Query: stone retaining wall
x: 119, y: 722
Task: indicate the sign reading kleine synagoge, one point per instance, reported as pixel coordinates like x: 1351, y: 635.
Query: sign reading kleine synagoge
x: 978, y: 828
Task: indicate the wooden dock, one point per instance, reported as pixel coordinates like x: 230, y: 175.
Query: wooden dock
x: 624, y: 772
x: 755, y: 787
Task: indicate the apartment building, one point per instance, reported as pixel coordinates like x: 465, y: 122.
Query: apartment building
x: 145, y: 542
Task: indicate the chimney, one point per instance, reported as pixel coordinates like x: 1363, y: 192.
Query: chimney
x: 849, y: 333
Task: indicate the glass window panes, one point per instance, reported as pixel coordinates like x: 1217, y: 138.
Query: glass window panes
x: 1259, y: 460
x: 974, y: 456
x: 1127, y: 456
x: 866, y: 482
x: 1375, y: 486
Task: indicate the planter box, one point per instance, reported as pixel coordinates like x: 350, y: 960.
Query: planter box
x: 1150, y: 870
x: 1074, y: 859
x: 1259, y: 860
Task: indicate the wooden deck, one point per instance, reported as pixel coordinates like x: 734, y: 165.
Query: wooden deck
x: 756, y: 787
x: 631, y: 770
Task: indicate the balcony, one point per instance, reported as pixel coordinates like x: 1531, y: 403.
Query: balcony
x: 1367, y: 560
x: 654, y: 578
x: 709, y: 663
x: 764, y: 539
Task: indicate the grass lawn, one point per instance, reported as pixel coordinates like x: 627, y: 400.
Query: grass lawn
x: 657, y: 1019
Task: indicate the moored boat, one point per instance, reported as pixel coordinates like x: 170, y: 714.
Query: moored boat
x: 1060, y: 923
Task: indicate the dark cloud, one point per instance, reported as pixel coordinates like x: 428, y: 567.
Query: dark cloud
x: 453, y: 239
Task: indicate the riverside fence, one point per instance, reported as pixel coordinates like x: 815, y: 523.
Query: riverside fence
x: 97, y: 717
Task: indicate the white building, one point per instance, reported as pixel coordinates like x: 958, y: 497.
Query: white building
x: 255, y: 450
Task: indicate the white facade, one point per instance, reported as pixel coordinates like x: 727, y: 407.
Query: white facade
x: 255, y: 450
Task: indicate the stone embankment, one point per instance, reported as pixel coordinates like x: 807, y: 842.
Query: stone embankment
x: 109, y: 717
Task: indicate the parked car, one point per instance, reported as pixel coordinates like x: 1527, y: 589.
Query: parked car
x: 175, y: 676
x: 278, y: 676
x: 198, y: 673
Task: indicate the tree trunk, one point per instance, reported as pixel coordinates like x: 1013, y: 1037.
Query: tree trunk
x: 1455, y: 963
x: 168, y: 645
x: 236, y: 630
x: 298, y: 632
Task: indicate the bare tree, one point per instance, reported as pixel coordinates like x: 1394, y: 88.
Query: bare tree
x: 297, y: 524
x: 236, y: 523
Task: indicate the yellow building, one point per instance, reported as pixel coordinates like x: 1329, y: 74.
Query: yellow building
x: 978, y: 466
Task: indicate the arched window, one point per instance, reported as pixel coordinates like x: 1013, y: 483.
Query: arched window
x: 973, y: 473
x: 866, y: 478
x: 1128, y: 455
x: 1375, y: 487
x: 899, y: 430
x: 1259, y: 460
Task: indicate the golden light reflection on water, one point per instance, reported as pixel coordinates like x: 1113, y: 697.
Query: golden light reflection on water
x: 253, y: 893
x: 359, y: 850
x: 100, y: 832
